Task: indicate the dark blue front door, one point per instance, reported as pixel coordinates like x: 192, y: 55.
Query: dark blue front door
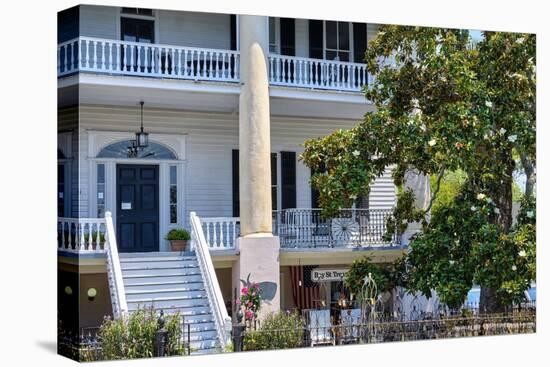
x: 137, y: 208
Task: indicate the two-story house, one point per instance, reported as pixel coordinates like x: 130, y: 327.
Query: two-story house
x: 199, y: 76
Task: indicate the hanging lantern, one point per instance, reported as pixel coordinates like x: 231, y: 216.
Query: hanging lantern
x: 142, y: 138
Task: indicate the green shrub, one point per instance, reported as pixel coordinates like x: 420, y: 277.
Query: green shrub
x: 178, y: 234
x: 278, y: 331
x: 135, y: 336
x: 94, y: 237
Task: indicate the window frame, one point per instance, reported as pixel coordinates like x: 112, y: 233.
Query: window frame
x: 154, y: 18
x: 175, y: 186
x: 350, y: 41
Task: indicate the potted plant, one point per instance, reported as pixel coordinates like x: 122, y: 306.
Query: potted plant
x: 178, y: 239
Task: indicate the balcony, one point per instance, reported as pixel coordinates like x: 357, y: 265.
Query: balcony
x: 114, y: 57
x: 303, y: 229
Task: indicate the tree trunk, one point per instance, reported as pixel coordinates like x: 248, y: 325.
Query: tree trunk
x: 529, y: 170
x: 488, y: 300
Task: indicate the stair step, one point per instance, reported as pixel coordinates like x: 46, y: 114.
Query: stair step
x: 167, y: 264
x: 169, y: 303
x: 148, y: 255
x: 200, y: 336
x: 173, y: 270
x: 133, y: 280
x: 163, y: 286
x: 136, y: 296
x: 143, y: 259
x: 191, y: 314
x: 204, y: 346
x: 197, y: 327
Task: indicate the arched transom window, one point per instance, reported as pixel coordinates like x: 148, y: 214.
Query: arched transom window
x: 121, y: 150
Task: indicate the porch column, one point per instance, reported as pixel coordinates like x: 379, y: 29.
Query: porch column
x: 258, y: 248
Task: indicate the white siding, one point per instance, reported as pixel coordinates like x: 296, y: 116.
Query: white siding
x: 67, y: 121
x: 99, y: 21
x: 172, y: 27
x: 211, y: 137
x: 194, y: 29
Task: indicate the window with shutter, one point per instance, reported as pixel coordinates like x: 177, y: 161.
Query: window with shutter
x: 288, y: 180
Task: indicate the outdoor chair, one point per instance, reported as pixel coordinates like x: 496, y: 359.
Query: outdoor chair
x: 320, y: 328
x: 350, y: 322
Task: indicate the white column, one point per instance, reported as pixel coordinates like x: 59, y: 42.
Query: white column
x: 258, y: 248
x: 254, y: 124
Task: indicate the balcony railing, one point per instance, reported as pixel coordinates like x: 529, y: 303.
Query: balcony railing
x: 306, y: 228
x: 314, y: 73
x: 81, y: 235
x: 147, y: 59
x: 168, y: 61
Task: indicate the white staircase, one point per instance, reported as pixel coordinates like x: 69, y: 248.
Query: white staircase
x: 183, y: 282
x: 172, y: 282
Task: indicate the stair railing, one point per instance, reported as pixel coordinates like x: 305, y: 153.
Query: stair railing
x: 114, y: 271
x: 217, y: 305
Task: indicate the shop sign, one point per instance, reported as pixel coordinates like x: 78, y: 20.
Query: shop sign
x: 328, y: 275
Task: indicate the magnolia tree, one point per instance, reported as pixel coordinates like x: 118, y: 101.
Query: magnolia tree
x: 445, y: 104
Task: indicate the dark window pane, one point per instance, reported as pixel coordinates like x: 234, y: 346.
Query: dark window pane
x: 152, y: 151
x: 100, y: 173
x: 173, y: 214
x: 274, y: 169
x: 129, y: 10
x: 143, y: 11
x: 173, y: 194
x: 331, y: 55
x: 343, y: 36
x: 274, y: 197
x: 343, y: 56
x: 331, y: 39
x: 173, y: 175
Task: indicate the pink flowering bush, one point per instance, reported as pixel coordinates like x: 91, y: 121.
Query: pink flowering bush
x: 250, y: 301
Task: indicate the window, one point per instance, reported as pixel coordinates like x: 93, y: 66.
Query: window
x: 100, y: 190
x: 137, y: 11
x: 152, y: 151
x: 60, y: 190
x: 337, y: 41
x: 173, y: 194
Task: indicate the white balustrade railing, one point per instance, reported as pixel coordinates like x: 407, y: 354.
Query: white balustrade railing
x: 215, y: 298
x: 147, y: 59
x: 169, y: 61
x: 221, y: 233
x: 315, y: 73
x: 81, y: 235
x: 114, y: 271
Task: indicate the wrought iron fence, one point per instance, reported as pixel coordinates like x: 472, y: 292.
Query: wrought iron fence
x: 390, y: 331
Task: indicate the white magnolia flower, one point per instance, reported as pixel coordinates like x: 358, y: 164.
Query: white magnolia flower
x: 489, y: 104
x: 512, y: 138
x: 404, y: 221
x: 356, y: 153
x: 353, y: 197
x: 473, y: 208
x: 481, y: 196
x: 522, y: 253
x: 452, y: 262
x: 432, y: 142
x: 530, y: 214
x: 514, y: 268
x: 520, y: 40
x: 497, y: 211
x: 502, y: 131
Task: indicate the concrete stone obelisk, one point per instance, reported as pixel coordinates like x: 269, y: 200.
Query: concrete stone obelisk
x: 258, y: 249
x: 420, y: 186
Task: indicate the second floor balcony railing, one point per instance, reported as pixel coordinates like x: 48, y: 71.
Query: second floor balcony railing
x: 116, y: 57
x: 308, y: 229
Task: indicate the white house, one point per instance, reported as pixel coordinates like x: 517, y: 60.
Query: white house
x: 228, y: 103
